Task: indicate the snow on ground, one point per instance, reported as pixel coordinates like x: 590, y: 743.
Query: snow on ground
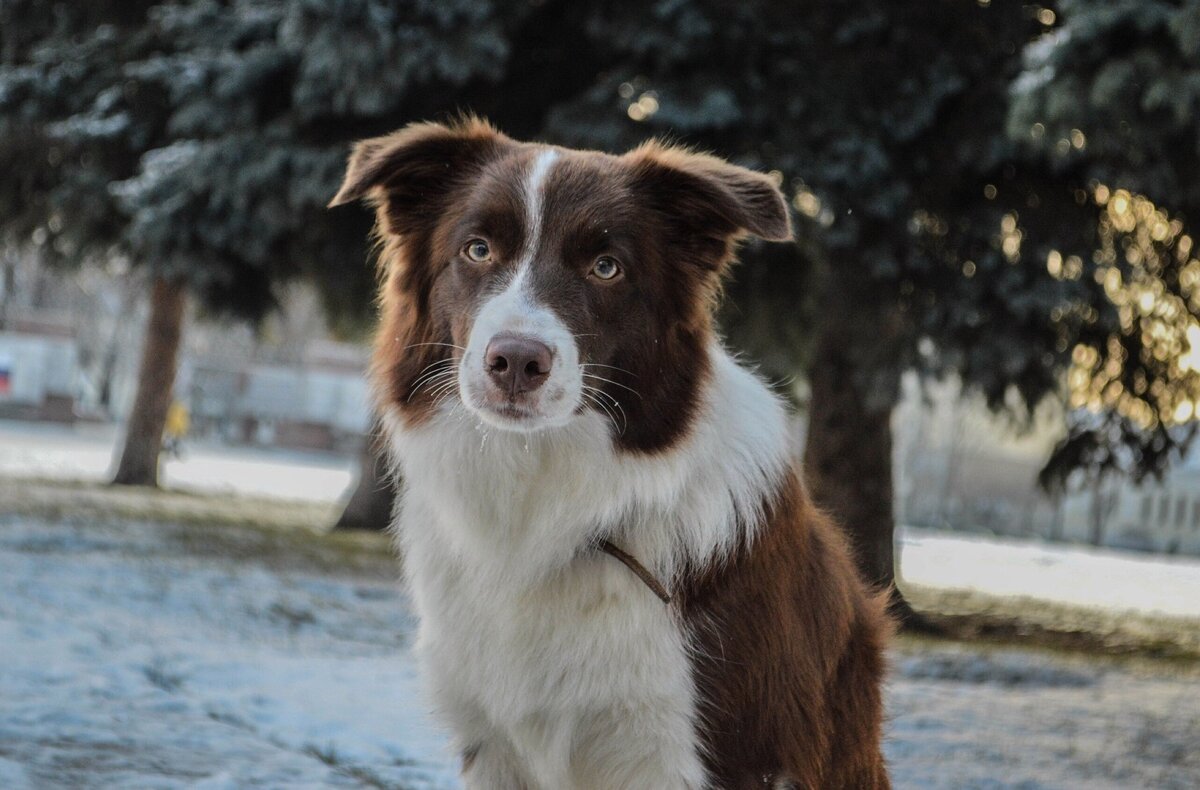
x: 1103, y: 578
x: 127, y: 663
x: 1069, y: 574
x: 86, y: 452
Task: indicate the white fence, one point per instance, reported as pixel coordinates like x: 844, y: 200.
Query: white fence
x: 334, y: 398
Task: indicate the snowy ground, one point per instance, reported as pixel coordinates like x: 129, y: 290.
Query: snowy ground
x: 1100, y: 578
x: 1077, y: 575
x: 127, y: 662
x: 129, y: 658
x: 85, y: 452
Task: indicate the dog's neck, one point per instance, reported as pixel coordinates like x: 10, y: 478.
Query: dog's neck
x: 639, y: 570
x: 512, y: 500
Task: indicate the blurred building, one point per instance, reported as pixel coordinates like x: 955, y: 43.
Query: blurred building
x: 70, y: 346
x: 39, y: 368
x: 961, y: 468
x: 318, y: 401
x: 1155, y: 516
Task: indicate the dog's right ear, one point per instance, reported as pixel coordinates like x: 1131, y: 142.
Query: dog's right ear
x: 408, y: 173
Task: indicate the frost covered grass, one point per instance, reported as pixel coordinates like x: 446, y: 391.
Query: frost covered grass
x: 286, y: 533
x: 1101, y: 601
x: 140, y: 654
x: 975, y: 616
x: 131, y: 661
x: 972, y: 588
x: 214, y: 635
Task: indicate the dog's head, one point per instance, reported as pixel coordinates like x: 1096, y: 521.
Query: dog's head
x: 536, y: 283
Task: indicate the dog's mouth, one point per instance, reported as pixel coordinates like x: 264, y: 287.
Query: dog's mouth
x: 512, y: 411
x: 516, y: 413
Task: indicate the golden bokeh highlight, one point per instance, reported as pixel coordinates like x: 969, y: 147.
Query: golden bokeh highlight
x: 645, y: 106
x: 1141, y: 249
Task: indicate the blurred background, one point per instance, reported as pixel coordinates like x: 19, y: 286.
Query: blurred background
x: 989, y: 326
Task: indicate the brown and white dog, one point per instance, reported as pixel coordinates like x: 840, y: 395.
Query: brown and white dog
x: 557, y: 399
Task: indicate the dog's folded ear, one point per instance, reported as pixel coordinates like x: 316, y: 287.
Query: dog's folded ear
x: 708, y: 195
x: 408, y: 173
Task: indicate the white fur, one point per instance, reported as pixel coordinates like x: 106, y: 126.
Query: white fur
x: 515, y: 310
x: 551, y: 659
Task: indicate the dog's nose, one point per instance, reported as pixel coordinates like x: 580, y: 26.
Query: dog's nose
x: 517, y: 363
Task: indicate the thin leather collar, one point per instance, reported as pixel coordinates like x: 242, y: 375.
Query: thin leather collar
x: 639, y: 570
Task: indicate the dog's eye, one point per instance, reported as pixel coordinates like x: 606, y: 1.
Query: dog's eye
x: 606, y: 268
x: 477, y: 250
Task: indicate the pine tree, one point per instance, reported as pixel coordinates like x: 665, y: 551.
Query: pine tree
x: 933, y: 238
x: 1113, y: 93
x: 952, y: 222
x: 201, y: 141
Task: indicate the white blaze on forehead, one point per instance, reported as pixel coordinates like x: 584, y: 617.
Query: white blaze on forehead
x: 514, y: 298
x: 514, y: 303
x: 535, y: 205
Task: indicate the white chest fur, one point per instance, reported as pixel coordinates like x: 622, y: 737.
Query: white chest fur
x: 551, y: 662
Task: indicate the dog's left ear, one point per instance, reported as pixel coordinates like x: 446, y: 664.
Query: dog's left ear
x: 409, y: 173
x: 708, y: 195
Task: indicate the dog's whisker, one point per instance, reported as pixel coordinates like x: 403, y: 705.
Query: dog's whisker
x: 611, y: 367
x: 591, y: 394
x: 591, y: 400
x: 433, y: 368
x: 433, y: 380
x: 614, y: 383
x: 438, y: 385
x: 443, y: 389
x: 614, y: 401
x: 445, y: 396
x: 439, y: 374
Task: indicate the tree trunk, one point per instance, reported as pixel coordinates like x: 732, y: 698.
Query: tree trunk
x: 370, y: 506
x: 855, y: 384
x: 848, y: 460
x: 156, y: 381
x: 1103, y: 501
x: 8, y: 285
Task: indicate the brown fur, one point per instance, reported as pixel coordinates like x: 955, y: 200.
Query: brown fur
x: 789, y: 658
x: 788, y: 641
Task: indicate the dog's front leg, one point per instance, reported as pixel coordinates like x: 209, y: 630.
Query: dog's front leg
x: 646, y: 745
x: 493, y: 765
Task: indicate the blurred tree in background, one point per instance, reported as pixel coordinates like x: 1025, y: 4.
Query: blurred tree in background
x: 1114, y: 93
x: 937, y: 239
x: 945, y: 227
x: 73, y: 126
x: 202, y: 140
x: 888, y: 124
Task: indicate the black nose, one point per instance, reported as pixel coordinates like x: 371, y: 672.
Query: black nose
x: 516, y: 363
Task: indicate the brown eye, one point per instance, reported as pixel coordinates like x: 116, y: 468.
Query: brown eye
x: 477, y: 250
x: 606, y: 268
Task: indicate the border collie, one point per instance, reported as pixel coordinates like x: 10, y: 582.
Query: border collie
x: 620, y: 579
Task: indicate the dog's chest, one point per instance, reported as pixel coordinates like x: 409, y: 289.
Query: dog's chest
x: 589, y: 635
x: 563, y: 670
